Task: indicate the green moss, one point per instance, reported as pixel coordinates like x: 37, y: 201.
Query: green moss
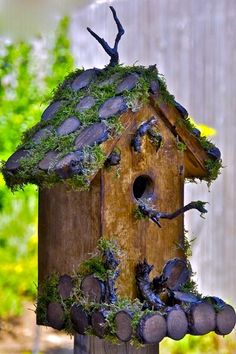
x: 105, y: 244
x: 94, y: 266
x: 191, y: 287
x: 214, y: 169
x: 181, y: 146
x: 138, y: 215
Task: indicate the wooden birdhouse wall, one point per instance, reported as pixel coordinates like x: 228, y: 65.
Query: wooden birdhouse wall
x: 139, y: 239
x: 71, y: 222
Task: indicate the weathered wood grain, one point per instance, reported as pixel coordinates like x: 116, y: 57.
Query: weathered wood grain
x: 95, y: 345
x: 56, y: 205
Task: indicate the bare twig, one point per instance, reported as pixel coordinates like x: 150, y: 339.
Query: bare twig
x: 155, y: 215
x: 112, y: 52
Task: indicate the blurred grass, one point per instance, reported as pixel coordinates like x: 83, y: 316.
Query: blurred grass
x: 208, y: 344
x: 25, y: 85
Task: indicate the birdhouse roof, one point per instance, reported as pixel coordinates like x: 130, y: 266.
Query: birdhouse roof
x: 87, y: 115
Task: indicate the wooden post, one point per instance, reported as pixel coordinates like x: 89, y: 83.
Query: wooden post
x: 94, y: 345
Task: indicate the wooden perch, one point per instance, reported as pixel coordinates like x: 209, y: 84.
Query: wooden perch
x: 177, y: 323
x: 225, y: 315
x: 143, y: 270
x: 155, y: 215
x: 55, y: 316
x: 123, y: 325
x: 112, y: 52
x: 93, y: 289
x: 99, y: 323
x: 201, y: 318
x: 151, y: 328
x: 79, y: 318
x: 225, y: 320
x: 65, y: 286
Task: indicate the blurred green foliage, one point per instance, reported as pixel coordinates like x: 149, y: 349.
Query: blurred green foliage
x: 208, y: 344
x: 26, y: 82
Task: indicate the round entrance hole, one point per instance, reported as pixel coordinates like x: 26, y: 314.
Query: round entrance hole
x: 143, y: 187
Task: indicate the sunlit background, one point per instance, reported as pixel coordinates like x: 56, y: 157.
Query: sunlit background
x: 193, y: 44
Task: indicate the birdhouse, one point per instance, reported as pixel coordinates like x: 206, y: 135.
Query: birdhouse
x: 110, y: 156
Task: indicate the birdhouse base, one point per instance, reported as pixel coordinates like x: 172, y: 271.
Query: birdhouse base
x: 85, y: 304
x: 95, y: 345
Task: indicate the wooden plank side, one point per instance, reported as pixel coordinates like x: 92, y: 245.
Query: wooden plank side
x: 95, y: 345
x: 139, y: 239
x: 69, y: 227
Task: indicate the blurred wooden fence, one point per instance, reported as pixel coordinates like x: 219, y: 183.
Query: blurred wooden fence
x: 193, y: 44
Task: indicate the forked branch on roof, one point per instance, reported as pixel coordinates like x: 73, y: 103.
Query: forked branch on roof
x: 112, y: 52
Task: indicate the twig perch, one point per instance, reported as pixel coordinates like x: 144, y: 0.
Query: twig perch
x: 155, y: 215
x: 112, y: 52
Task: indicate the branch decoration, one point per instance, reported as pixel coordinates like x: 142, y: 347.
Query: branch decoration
x: 112, y: 52
x: 155, y: 215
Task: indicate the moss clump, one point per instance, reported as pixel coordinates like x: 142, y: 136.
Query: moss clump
x: 214, y: 169
x: 138, y: 215
x: 181, y: 146
x: 105, y: 245
x: 94, y: 266
x: 213, y: 166
x: 191, y: 287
